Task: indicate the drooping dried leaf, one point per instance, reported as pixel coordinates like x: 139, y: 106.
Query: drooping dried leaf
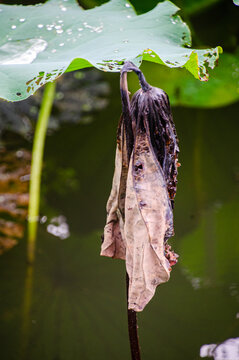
x: 148, y: 217
x: 155, y: 104
x: 114, y: 243
x: 144, y: 186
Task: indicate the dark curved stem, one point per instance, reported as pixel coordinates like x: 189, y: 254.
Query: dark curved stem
x: 133, y: 329
x: 124, y: 94
x: 129, y: 66
x: 127, y: 122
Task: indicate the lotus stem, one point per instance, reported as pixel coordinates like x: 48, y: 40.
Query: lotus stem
x: 132, y: 328
x: 36, y: 167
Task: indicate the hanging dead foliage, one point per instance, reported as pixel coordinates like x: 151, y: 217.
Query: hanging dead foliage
x: 140, y: 206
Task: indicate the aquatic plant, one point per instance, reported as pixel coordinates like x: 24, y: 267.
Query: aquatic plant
x: 140, y: 206
x: 65, y: 38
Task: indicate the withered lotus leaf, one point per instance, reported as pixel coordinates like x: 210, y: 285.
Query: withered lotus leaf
x: 113, y: 244
x: 140, y: 206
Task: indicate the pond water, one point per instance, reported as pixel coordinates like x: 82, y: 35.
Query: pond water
x: 71, y: 304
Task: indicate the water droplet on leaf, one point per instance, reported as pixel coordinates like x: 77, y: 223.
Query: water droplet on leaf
x: 49, y: 27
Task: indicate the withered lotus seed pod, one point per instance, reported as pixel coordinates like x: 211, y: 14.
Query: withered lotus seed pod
x: 140, y: 206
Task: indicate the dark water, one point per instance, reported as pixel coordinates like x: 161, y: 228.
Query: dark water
x: 71, y: 304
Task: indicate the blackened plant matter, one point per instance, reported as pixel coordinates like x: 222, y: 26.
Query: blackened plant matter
x: 140, y: 206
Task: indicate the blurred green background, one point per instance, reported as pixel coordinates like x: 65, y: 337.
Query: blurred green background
x: 71, y: 304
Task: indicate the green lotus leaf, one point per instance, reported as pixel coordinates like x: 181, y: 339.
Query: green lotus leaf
x: 39, y: 43
x: 185, y: 90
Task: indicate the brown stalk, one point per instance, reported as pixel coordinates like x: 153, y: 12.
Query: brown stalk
x: 140, y: 206
x: 132, y: 328
x: 129, y: 126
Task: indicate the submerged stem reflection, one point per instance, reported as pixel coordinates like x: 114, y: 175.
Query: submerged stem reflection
x: 26, y: 310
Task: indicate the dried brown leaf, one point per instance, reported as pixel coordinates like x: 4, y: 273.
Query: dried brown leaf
x: 113, y: 244
x: 139, y: 209
x: 148, y: 218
